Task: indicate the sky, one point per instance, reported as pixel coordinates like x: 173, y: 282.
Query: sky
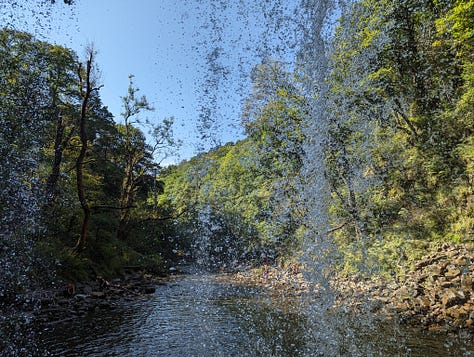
x: 191, y: 58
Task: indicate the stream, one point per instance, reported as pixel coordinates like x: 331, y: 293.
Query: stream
x: 202, y: 315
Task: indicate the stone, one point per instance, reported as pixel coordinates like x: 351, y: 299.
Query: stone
x: 452, y: 273
x: 105, y: 305
x: 466, y: 283
x: 149, y: 289
x: 421, y: 278
x: 436, y: 328
x: 98, y: 294
x: 452, y: 297
x: 424, y: 302
x: 460, y: 261
x: 429, y: 261
x: 405, y: 293
x: 446, y: 284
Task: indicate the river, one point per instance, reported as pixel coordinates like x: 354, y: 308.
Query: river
x: 202, y: 315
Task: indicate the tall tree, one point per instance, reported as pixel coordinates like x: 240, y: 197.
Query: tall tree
x: 86, y: 87
x: 138, y: 156
x: 62, y: 77
x: 23, y: 98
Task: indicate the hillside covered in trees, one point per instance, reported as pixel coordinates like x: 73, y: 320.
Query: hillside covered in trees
x: 397, y: 152
x: 82, y: 193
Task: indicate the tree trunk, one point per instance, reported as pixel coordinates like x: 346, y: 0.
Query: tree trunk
x: 126, y: 202
x: 52, y: 183
x: 85, y: 93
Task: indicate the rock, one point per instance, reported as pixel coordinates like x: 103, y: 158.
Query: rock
x: 406, y: 293
x: 467, y: 284
x: 458, y: 312
x: 149, y: 289
x: 462, y: 261
x: 424, y: 302
x: 436, y: 270
x: 452, y: 273
x: 452, y: 297
x: 97, y: 294
x: 429, y: 261
x: 436, y: 328
x: 105, y: 305
x: 445, y: 284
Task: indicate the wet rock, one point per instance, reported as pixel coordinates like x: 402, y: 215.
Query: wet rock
x: 429, y: 261
x: 149, y: 289
x: 436, y: 271
x: 461, y: 261
x: 105, y: 305
x: 446, y: 284
x: 97, y: 294
x: 438, y: 292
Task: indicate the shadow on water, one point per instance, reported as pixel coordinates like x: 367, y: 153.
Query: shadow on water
x: 200, y: 315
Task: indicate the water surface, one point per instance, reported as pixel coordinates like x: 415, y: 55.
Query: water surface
x: 201, y: 315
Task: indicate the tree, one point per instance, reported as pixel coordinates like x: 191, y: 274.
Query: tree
x: 138, y: 156
x: 62, y: 77
x: 395, y: 135
x: 21, y: 118
x: 86, y: 88
x: 273, y: 119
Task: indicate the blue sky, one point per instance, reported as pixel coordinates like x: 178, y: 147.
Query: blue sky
x: 166, y: 45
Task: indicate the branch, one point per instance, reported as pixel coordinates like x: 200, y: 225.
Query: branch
x: 105, y: 207
x: 165, y: 218
x: 337, y: 228
x: 399, y: 111
x: 96, y: 88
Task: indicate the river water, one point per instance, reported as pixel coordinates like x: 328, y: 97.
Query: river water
x: 203, y: 315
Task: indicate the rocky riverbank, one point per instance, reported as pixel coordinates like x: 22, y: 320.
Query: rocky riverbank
x: 72, y: 300
x: 437, y: 293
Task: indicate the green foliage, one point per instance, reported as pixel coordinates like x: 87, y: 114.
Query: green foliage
x: 243, y: 195
x: 40, y: 139
x: 399, y: 153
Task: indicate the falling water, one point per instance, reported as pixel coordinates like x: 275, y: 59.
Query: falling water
x: 298, y: 34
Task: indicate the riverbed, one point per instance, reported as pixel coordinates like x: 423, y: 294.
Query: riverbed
x: 202, y: 314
